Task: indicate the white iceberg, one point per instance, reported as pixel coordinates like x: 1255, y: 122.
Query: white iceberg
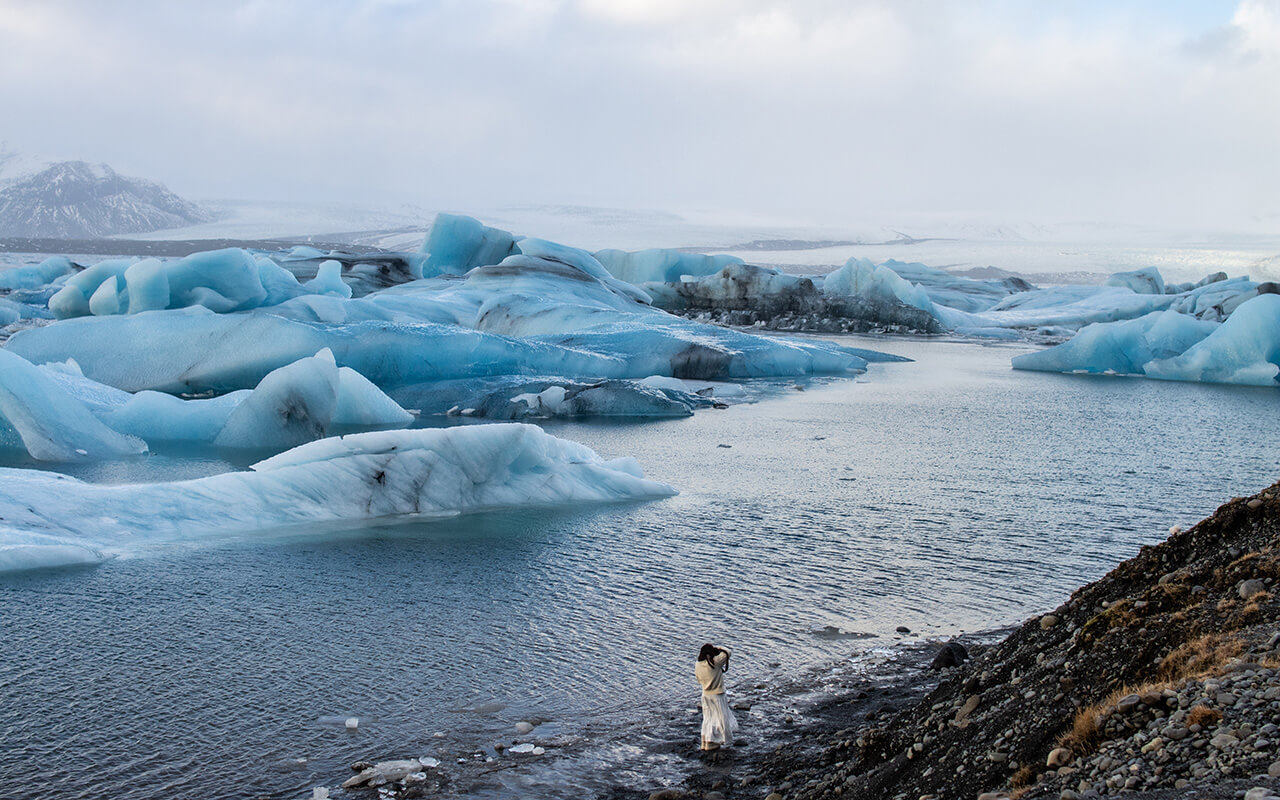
x: 47, y: 519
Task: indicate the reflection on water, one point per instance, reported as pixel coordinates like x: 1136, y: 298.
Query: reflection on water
x: 950, y: 494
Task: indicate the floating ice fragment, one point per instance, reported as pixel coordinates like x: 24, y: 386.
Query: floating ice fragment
x: 428, y: 761
x: 352, y: 723
x: 523, y: 747
x: 328, y: 280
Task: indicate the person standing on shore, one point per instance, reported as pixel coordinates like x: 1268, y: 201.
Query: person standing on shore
x: 718, y: 723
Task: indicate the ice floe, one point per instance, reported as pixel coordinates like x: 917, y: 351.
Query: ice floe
x: 48, y: 519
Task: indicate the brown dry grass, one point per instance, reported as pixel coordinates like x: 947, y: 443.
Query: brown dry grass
x: 1199, y: 657
x: 1254, y: 607
x: 1087, y: 724
x: 1024, y: 777
x: 1084, y: 730
x: 1204, y: 716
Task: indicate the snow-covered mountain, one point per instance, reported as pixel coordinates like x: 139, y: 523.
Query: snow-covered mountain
x: 79, y: 200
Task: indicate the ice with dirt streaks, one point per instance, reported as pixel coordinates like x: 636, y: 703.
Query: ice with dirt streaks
x: 48, y: 519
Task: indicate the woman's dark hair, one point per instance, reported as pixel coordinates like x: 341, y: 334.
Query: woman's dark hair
x: 708, y: 653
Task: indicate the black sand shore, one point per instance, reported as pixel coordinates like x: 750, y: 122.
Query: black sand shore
x: 1160, y: 680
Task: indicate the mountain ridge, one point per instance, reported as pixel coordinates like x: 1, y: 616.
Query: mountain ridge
x: 77, y: 199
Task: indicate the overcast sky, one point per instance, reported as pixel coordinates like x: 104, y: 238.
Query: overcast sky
x: 798, y: 110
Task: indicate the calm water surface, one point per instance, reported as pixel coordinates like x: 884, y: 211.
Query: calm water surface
x: 946, y: 495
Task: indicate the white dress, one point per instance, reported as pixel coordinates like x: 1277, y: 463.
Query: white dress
x: 718, y: 723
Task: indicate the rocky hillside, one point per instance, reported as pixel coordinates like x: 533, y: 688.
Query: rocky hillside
x: 78, y: 200
x: 1159, y: 679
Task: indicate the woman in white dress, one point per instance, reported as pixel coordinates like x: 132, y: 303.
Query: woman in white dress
x: 718, y: 723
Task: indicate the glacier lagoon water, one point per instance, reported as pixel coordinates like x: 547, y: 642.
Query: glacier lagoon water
x: 950, y: 494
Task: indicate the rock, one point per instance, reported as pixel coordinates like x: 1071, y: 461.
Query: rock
x: 1274, y: 769
x: 1258, y: 793
x: 361, y: 766
x: 667, y: 794
x: 1128, y: 703
x: 713, y: 796
x: 524, y: 727
x: 1255, y: 503
x: 952, y: 654
x: 1048, y: 621
x: 902, y: 629
x: 1250, y: 587
x: 996, y: 757
x: 773, y: 796
x: 1068, y: 794
x: 993, y: 796
x: 1175, y: 732
x: 1058, y: 757
x: 1222, y: 741
x: 968, y: 708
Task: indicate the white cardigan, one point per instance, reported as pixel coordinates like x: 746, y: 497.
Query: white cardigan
x: 711, y: 676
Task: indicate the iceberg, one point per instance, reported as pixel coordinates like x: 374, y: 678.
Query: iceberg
x: 219, y: 280
x: 742, y: 294
x: 55, y: 413
x: 33, y: 276
x: 1123, y: 348
x: 1139, y: 281
x: 457, y: 243
x: 528, y: 315
x: 1169, y: 345
x: 10, y: 312
x: 1243, y: 350
x: 662, y: 266
x: 47, y: 519
x: 304, y: 401
x: 328, y: 280
x: 38, y: 416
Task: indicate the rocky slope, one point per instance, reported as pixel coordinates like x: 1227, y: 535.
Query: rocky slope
x: 1160, y: 679
x: 78, y: 200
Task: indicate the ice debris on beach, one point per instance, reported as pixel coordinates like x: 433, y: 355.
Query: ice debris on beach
x: 48, y: 519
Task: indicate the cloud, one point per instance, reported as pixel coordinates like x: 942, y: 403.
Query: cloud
x: 811, y: 109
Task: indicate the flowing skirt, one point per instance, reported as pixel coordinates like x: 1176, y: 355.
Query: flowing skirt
x: 718, y: 722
